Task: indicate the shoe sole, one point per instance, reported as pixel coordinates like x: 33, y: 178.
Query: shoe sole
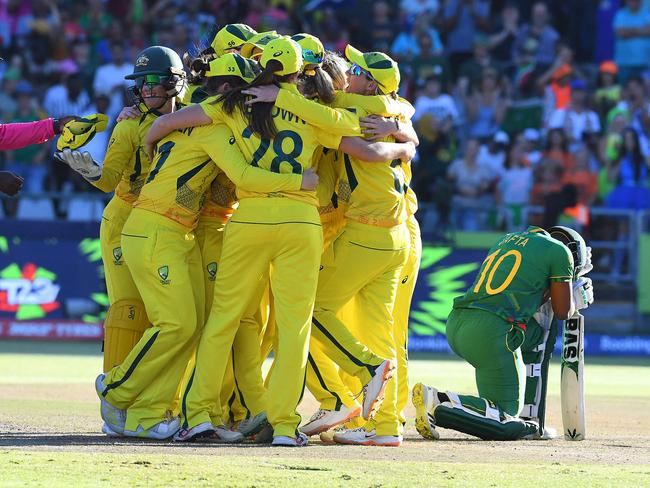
x: 368, y: 443
x: 200, y: 435
x: 379, y: 399
x: 256, y: 430
x: 227, y: 441
x: 325, y: 428
x: 421, y: 415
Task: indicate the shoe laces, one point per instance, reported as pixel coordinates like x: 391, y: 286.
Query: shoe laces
x: 362, y: 393
x: 320, y: 413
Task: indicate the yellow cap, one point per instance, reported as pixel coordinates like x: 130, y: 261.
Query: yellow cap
x: 232, y: 64
x: 231, y: 36
x: 380, y: 66
x: 257, y: 41
x: 313, y: 51
x: 285, y: 50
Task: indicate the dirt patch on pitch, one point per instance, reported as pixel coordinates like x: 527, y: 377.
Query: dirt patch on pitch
x: 66, y: 418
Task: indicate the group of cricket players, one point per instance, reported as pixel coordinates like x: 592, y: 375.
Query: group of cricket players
x: 262, y: 208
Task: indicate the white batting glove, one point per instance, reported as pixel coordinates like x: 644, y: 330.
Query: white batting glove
x: 583, y: 293
x: 588, y: 266
x: 82, y: 163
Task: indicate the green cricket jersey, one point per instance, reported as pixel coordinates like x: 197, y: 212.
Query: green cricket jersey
x: 517, y: 273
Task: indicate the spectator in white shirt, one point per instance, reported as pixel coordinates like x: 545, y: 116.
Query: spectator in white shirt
x: 109, y: 78
x: 471, y: 189
x: 435, y: 102
x: 530, y: 146
x: 492, y: 156
x: 576, y: 119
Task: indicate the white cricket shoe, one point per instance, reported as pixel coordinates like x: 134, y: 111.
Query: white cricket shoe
x: 109, y: 432
x: 373, y: 391
x: 284, y: 441
x: 161, y: 431
x: 425, y: 399
x: 252, y: 425
x: 324, y: 420
x: 206, y: 429
x: 224, y: 434
x: 362, y: 437
x: 114, y: 418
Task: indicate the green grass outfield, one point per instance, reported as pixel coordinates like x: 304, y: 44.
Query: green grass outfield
x: 49, y: 424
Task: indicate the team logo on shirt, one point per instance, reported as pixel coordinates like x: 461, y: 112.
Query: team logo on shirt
x: 142, y: 61
x: 117, y: 254
x: 212, y: 270
x: 163, y: 272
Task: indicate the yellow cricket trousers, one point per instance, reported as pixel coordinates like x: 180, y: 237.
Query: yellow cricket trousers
x: 364, y: 262
x: 244, y: 393
x: 263, y: 232
x: 166, y: 266
x: 405, y: 290
x: 332, y: 389
x: 119, y: 283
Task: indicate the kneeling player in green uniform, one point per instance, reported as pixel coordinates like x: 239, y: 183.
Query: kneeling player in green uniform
x: 488, y: 326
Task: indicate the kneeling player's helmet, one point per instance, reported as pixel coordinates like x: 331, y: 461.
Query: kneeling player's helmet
x: 576, y: 244
x: 159, y: 65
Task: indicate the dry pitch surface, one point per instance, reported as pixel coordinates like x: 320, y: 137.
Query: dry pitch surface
x: 49, y: 436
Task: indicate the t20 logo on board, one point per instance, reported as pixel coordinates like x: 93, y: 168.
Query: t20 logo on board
x: 30, y: 291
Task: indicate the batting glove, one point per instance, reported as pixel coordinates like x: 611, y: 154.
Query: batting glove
x: 583, y: 293
x: 82, y: 163
x: 588, y: 266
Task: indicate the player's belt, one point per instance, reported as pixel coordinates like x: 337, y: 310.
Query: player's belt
x: 520, y: 325
x: 370, y: 220
x: 221, y: 214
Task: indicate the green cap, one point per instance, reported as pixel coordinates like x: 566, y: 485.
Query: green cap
x: 157, y: 60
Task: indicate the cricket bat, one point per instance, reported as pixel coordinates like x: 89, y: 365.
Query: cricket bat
x: 572, y: 378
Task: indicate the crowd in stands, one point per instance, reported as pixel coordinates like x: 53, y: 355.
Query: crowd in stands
x: 518, y: 103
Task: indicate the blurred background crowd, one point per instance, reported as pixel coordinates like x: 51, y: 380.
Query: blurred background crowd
x: 527, y: 111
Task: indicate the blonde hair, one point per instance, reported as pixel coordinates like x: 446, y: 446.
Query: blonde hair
x: 337, y: 67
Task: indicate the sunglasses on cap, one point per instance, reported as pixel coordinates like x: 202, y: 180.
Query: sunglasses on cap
x: 152, y: 80
x: 311, y: 57
x: 357, y: 70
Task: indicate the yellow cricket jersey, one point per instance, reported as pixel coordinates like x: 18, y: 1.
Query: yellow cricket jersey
x: 126, y: 164
x: 372, y: 193
x: 292, y: 151
x: 220, y: 199
x: 194, y: 94
x: 383, y: 105
x: 186, y: 163
x: 386, y: 106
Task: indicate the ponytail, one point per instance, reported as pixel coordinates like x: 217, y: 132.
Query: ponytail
x: 259, y: 115
x: 197, y: 67
x: 319, y: 85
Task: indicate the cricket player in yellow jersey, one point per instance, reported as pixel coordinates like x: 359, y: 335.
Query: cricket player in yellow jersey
x: 158, y: 240
x: 319, y: 84
x: 366, y: 259
x: 281, y: 229
x: 242, y: 398
x: 338, y: 403
x: 124, y: 170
